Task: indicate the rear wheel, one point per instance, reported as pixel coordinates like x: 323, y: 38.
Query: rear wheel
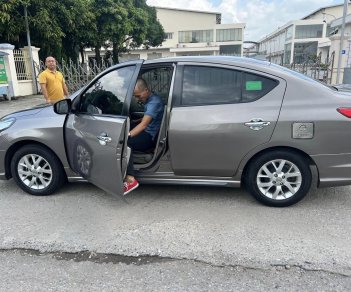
x: 279, y: 178
x: 37, y: 170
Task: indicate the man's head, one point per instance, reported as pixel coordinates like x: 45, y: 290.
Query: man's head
x: 141, y: 90
x: 50, y: 63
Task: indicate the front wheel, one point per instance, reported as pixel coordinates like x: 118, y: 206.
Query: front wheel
x: 37, y: 170
x: 278, y: 178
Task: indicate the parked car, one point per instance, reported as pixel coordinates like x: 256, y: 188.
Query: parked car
x: 228, y: 121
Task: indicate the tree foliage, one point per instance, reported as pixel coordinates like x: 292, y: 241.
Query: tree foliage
x: 64, y: 28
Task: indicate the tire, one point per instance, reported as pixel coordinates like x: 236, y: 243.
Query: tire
x: 278, y: 178
x: 37, y: 170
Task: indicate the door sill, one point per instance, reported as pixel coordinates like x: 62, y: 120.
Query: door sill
x: 171, y: 178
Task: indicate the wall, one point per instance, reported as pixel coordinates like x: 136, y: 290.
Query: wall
x: 174, y: 20
x: 16, y: 87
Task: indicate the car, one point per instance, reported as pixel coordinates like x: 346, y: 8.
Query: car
x: 228, y: 121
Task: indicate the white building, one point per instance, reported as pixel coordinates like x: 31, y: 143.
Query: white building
x: 295, y: 42
x: 299, y: 40
x: 191, y: 33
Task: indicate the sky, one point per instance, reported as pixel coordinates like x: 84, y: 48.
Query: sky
x: 261, y: 16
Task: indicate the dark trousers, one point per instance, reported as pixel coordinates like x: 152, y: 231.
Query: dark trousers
x: 141, y: 142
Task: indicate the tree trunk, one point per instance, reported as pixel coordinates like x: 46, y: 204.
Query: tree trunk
x: 97, y: 55
x: 81, y: 49
x: 115, y: 53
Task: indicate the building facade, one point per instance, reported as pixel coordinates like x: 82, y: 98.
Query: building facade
x: 295, y: 42
x: 191, y: 33
x: 301, y: 40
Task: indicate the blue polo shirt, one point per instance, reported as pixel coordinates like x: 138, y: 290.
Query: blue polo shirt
x: 154, y: 108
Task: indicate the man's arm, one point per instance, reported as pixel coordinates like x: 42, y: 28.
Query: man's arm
x: 45, y: 92
x: 141, y: 127
x: 65, y: 89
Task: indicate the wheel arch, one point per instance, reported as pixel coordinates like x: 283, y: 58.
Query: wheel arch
x: 303, y: 154
x: 16, y: 146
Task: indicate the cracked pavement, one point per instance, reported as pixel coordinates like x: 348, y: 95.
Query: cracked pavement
x: 207, y: 232
x: 171, y: 238
x: 21, y: 271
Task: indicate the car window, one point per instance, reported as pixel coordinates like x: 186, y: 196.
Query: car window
x: 210, y: 85
x: 256, y: 86
x: 159, y: 80
x: 107, y: 94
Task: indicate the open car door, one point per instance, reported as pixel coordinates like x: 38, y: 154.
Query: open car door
x: 96, y: 130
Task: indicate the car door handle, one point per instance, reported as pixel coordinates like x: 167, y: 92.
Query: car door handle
x: 104, y: 138
x: 257, y: 124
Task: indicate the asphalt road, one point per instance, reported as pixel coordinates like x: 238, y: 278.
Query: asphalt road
x: 193, y: 228
x: 172, y: 238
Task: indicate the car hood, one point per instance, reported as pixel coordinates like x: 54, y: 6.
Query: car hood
x: 27, y: 112
x: 36, y: 109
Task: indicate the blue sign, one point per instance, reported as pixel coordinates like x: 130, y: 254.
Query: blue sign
x: 343, y: 52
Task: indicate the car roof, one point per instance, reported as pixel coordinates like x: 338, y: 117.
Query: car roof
x: 212, y: 59
x: 243, y: 62
x: 249, y: 63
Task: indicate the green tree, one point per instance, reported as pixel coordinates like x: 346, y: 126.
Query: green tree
x: 78, y: 25
x: 45, y: 29
x: 110, y: 16
x: 59, y: 28
x: 124, y: 25
x: 64, y: 28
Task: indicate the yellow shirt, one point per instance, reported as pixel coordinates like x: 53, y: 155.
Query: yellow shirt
x: 54, y: 84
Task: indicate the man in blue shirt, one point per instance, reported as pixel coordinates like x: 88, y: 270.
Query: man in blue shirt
x: 144, y: 135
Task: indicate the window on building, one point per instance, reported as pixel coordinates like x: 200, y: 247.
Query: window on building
x: 231, y: 34
x: 218, y: 18
x: 169, y: 35
x: 210, y: 86
x: 196, y: 36
x: 154, y: 55
x: 230, y: 50
x: 309, y: 31
x: 129, y: 57
x: 287, y: 53
x: 305, y: 52
x: 332, y: 30
x: 289, y: 33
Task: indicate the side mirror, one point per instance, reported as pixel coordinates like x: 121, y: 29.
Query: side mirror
x: 63, y: 106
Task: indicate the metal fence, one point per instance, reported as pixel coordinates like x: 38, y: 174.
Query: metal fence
x: 77, y: 75
x: 22, y: 65
x: 316, y: 69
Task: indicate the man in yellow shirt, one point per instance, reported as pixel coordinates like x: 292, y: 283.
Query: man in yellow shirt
x: 52, y: 83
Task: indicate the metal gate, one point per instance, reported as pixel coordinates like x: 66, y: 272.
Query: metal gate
x: 77, y: 75
x: 316, y: 70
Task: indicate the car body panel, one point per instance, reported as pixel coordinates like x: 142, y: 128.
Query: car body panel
x: 96, y: 143
x: 97, y: 161
x: 36, y: 126
x: 217, y: 136
x: 207, y: 144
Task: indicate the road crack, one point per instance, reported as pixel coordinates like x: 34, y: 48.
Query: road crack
x: 100, y: 258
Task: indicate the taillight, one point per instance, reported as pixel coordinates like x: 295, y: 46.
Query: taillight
x: 346, y: 111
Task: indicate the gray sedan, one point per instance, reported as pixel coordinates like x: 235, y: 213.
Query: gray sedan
x: 228, y: 122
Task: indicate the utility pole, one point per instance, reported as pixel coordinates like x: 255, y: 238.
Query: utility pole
x: 341, y: 41
x: 34, y: 79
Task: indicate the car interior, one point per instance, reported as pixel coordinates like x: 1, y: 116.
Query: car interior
x: 159, y: 81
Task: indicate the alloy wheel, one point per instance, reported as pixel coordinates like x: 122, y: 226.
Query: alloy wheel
x: 279, y: 179
x: 34, y: 171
